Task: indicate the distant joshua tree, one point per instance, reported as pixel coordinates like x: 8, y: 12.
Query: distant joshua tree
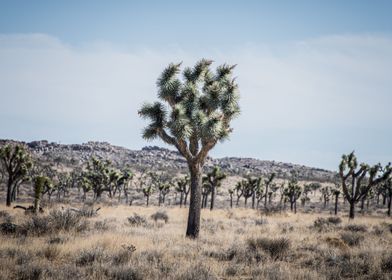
x: 40, y: 183
x: 197, y: 115
x: 293, y: 192
x: 15, y: 162
x: 214, y: 179
x: 183, y: 189
x: 357, y: 180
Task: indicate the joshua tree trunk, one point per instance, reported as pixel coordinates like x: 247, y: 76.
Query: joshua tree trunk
x: 231, y: 201
x: 193, y: 226
x: 181, y: 198
x: 336, y: 203
x: 212, y: 198
x: 389, y: 203
x: 9, y: 193
x: 253, y: 200
x: 148, y: 200
x: 352, y: 210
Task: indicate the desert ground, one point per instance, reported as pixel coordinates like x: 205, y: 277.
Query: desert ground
x: 137, y: 242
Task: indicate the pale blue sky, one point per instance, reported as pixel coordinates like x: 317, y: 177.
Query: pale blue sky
x: 314, y: 75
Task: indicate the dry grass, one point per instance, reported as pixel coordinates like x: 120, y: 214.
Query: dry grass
x: 234, y: 244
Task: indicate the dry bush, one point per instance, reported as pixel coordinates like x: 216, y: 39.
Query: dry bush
x: 30, y: 272
x: 126, y: 273
x: 261, y: 222
x: 89, y: 256
x: 124, y: 255
x: 337, y: 243
x: 356, y: 228
x: 352, y: 238
x: 137, y: 220
x: 160, y: 215
x: 197, y: 272
x: 277, y: 248
x: 323, y: 224
x: 386, y: 263
x: 8, y: 228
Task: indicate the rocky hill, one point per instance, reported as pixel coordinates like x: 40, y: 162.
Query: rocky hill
x: 156, y: 158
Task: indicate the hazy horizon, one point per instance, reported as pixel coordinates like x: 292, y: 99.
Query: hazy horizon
x: 314, y: 77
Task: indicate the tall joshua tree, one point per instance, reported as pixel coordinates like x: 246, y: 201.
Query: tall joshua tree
x: 16, y: 162
x: 194, y: 115
x: 358, y: 180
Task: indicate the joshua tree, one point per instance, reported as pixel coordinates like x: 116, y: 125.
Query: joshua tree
x: 325, y: 195
x: 231, y: 193
x: 214, y: 179
x: 183, y: 188
x: 267, y: 183
x: 205, y: 191
x: 197, y: 115
x: 239, y: 191
x: 355, y: 182
x: 293, y: 192
x: 16, y: 162
x: 98, y: 173
x: 40, y: 183
x: 123, y: 182
x: 305, y: 195
x: 148, y: 191
x: 336, y: 192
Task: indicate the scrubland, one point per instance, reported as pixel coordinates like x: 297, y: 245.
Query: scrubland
x: 135, y: 242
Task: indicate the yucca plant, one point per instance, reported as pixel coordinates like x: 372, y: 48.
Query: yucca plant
x: 214, y: 179
x: 194, y: 115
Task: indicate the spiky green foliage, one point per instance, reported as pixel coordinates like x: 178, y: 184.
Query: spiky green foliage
x: 15, y: 162
x: 358, y: 179
x: 195, y: 111
x: 98, y: 173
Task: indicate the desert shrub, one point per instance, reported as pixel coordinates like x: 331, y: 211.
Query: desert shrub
x: 126, y: 273
x: 88, y: 211
x: 197, y: 272
x: 67, y: 220
x: 337, y: 243
x: 57, y: 240
x: 356, y: 228
x: 8, y: 228
x: 334, y: 220
x: 261, y: 222
x: 36, y: 225
x: 233, y: 270
x: 352, y: 238
x: 286, y: 227
x: 89, y: 256
x: 50, y: 252
x: 29, y: 272
x: 324, y: 223
x: 276, y: 248
x: 386, y: 263
x: 5, y: 216
x: 137, y: 220
x: 124, y: 255
x: 349, y: 265
x: 387, y: 226
x: 160, y: 215
x: 101, y: 225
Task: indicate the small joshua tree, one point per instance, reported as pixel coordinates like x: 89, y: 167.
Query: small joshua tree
x: 267, y: 183
x: 293, y: 192
x: 231, y: 193
x: 355, y: 182
x: 388, y: 187
x: 325, y: 194
x: 40, y: 183
x: 16, y: 162
x: 197, y: 115
x: 148, y: 191
x: 183, y: 189
x: 214, y: 179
